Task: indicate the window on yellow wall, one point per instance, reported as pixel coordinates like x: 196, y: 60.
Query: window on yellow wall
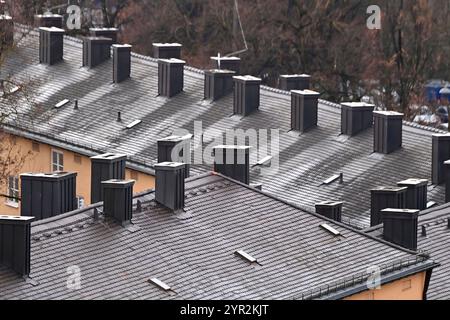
x: 13, y: 191
x: 77, y: 159
x: 407, y: 284
x: 57, y: 161
x: 36, y: 147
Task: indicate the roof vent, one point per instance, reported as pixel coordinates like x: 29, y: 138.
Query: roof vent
x: 170, y: 185
x: 170, y: 77
x: 416, y: 195
x: 400, y: 227
x: 167, y: 50
x: 48, y: 195
x: 160, y: 284
x: 330, y: 229
x: 382, y: 198
x: 244, y: 255
x: 356, y: 117
x: 330, y: 209
x: 175, y: 149
x: 295, y: 82
x: 233, y: 162
x: 304, y: 106
x: 105, y: 167
x: 388, y: 130
x: 7, y: 33
x: 441, y: 153
x: 218, y: 83
x: 121, y: 62
x: 51, y: 45
x: 110, y: 33
x: 246, y: 95
x: 227, y: 63
x: 62, y: 103
x: 96, y: 51
x: 15, y: 245
x: 48, y: 20
x: 118, y: 200
x: 133, y: 124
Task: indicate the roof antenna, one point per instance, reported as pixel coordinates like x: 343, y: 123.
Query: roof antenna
x: 218, y: 60
x: 236, y: 7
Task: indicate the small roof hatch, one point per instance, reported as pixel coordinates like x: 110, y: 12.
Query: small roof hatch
x: 133, y: 124
x: 330, y: 229
x: 62, y: 103
x: 160, y: 284
x: 244, y: 255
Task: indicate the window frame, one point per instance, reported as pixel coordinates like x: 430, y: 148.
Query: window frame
x: 13, y: 192
x: 59, y: 157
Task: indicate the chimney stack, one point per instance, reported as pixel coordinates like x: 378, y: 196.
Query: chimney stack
x: 233, y: 162
x: 48, y: 195
x: 7, y: 31
x: 218, y: 83
x: 356, y: 117
x: 447, y: 180
x: 48, y: 20
x: 388, y: 131
x: 400, y: 227
x: 178, y: 144
x: 108, y: 166
x: 121, y: 62
x: 227, y: 63
x: 441, y: 153
x: 330, y: 209
x: 51, y: 45
x: 382, y: 198
x: 118, y: 200
x: 110, y: 33
x: 170, y: 185
x: 15, y: 243
x: 416, y: 195
x: 295, y: 82
x: 304, y: 106
x: 167, y: 50
x: 95, y: 51
x: 170, y: 77
x: 246, y: 95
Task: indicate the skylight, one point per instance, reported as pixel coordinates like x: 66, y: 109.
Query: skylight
x: 330, y: 229
x: 244, y: 255
x: 160, y: 284
x: 133, y: 124
x: 62, y: 103
x: 431, y: 204
x: 264, y: 161
x: 332, y: 179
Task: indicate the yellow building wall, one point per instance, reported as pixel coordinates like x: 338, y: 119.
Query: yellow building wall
x: 410, y: 288
x: 40, y: 161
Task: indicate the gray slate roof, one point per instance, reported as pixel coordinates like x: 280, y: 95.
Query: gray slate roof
x: 305, y: 160
x: 194, y: 252
x: 437, y: 244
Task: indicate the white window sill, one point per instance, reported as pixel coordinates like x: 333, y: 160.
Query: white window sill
x: 12, y: 204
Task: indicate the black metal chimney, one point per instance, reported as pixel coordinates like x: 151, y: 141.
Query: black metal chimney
x: 447, y: 180
x: 121, y: 62
x: 227, y: 63
x: 110, y: 33
x: 167, y: 50
x: 330, y: 209
x: 304, y: 105
x: 95, y: 51
x: 382, y: 198
x: 170, y: 185
x: 246, y: 94
x: 218, y: 83
x: 48, y: 195
x: 356, y: 117
x: 48, y: 20
x: 51, y: 45
x: 400, y: 227
x: 416, y: 195
x: 118, y: 200
x: 178, y: 144
x: 7, y: 31
x: 15, y: 243
x: 233, y: 162
x: 294, y: 82
x: 441, y: 153
x: 388, y: 131
x: 108, y: 166
x: 170, y: 77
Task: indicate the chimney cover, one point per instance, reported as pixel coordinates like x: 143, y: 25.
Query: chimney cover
x: 170, y: 185
x: 400, y: 227
x: 121, y: 62
x: 233, y: 162
x: 304, y: 106
x: 416, y: 195
x: 382, y: 198
x: 356, y: 117
x: 330, y: 209
x: 15, y: 245
x: 48, y: 20
x: 246, y: 94
x: 118, y: 200
x: 388, y: 131
x: 218, y: 83
x: 227, y: 63
x: 290, y: 82
x: 167, y: 50
x: 110, y: 33
x: 440, y: 153
x: 170, y: 77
